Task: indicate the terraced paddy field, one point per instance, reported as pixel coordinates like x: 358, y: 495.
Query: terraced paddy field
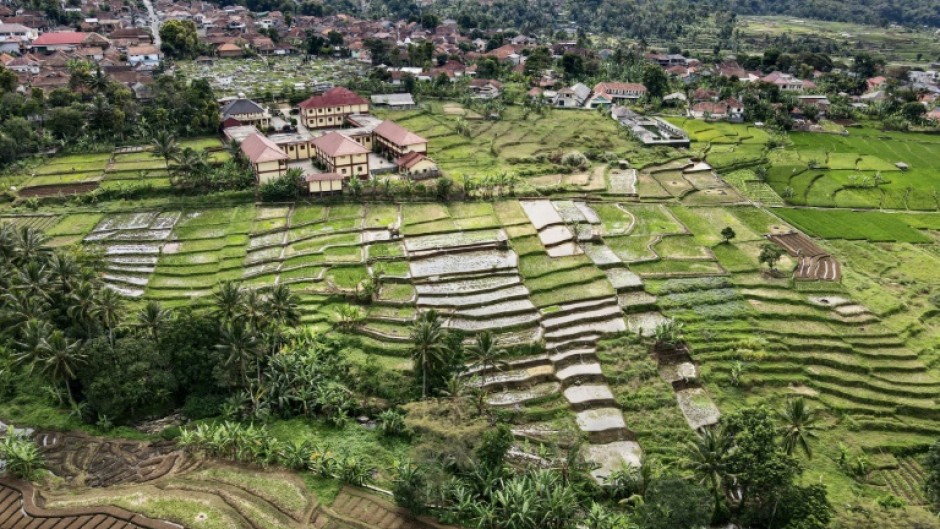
x: 572, y: 290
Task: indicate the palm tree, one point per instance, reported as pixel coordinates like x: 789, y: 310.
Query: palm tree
x: 240, y: 345
x: 60, y: 359
x: 18, y: 308
x: 228, y: 301
x: 97, y: 81
x: 152, y: 318
x: 63, y: 271
x: 107, y: 309
x: 282, y: 307
x: 30, y: 345
x: 192, y: 165
x: 427, y: 335
x: 706, y: 458
x: 484, y: 353
x: 80, y: 304
x: 253, y: 310
x: 165, y: 146
x: 32, y: 279
x: 799, y: 426
x: 29, y: 245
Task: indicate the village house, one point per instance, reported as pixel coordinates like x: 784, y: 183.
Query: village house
x: 267, y: 160
x: 147, y: 56
x: 246, y: 112
x: 621, y: 93
x: 417, y: 166
x: 228, y: 51
x: 572, y: 97
x: 339, y: 154
x: 394, y: 141
x: 729, y: 109
x: 325, y: 183
x: 820, y: 102
x: 787, y: 82
x: 393, y: 101
x: 15, y: 37
x: 486, y: 88
x: 330, y: 109
x: 68, y: 41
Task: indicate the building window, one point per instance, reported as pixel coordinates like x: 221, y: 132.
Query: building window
x: 343, y: 170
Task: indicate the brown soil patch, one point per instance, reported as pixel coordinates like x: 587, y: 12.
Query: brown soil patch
x: 58, y: 189
x: 83, y: 460
x: 814, y: 262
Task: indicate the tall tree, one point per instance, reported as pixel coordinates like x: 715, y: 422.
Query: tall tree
x: 429, y: 348
x: 165, y: 146
x: 799, y: 426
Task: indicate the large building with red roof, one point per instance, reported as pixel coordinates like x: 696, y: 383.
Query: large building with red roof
x: 268, y: 161
x: 68, y: 41
x: 341, y: 155
x: 329, y: 110
x: 396, y: 141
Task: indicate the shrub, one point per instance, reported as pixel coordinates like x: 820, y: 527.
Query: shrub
x: 410, y: 488
x: 284, y: 188
x: 203, y: 406
x: 574, y: 159
x: 392, y: 424
x: 21, y: 456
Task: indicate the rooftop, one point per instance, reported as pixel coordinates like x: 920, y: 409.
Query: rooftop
x: 336, y: 144
x: 259, y: 149
x: 397, y: 134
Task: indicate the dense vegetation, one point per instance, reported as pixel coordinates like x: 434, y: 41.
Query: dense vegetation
x: 94, y: 111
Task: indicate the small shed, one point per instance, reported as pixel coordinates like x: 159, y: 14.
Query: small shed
x: 324, y: 183
x: 902, y: 166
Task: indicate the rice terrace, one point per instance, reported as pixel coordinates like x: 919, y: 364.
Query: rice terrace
x: 372, y: 266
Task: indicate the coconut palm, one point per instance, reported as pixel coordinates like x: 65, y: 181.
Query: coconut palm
x: 799, y: 426
x: 239, y: 343
x: 63, y: 271
x: 253, y: 310
x: 427, y: 335
x: 97, y: 81
x: 29, y: 245
x: 30, y: 344
x: 152, y: 318
x: 18, y: 308
x: 228, y: 301
x: 191, y: 166
x: 32, y: 279
x: 60, y: 358
x: 282, y: 308
x: 107, y: 309
x: 80, y: 303
x: 165, y: 146
x: 706, y: 458
x: 484, y: 353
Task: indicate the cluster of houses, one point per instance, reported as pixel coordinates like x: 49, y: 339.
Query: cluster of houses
x: 335, y: 139
x: 41, y: 60
x: 580, y: 96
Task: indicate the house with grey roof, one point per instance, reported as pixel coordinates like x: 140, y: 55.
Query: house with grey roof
x: 246, y: 112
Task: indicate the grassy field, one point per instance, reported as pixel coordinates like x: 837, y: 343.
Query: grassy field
x: 518, y: 143
x: 859, y: 170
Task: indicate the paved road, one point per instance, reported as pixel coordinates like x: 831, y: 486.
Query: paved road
x: 154, y: 23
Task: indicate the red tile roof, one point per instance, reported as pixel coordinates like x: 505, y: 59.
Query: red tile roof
x: 397, y: 134
x: 60, y: 38
x: 335, y: 144
x: 409, y: 160
x: 333, y: 97
x: 259, y: 149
